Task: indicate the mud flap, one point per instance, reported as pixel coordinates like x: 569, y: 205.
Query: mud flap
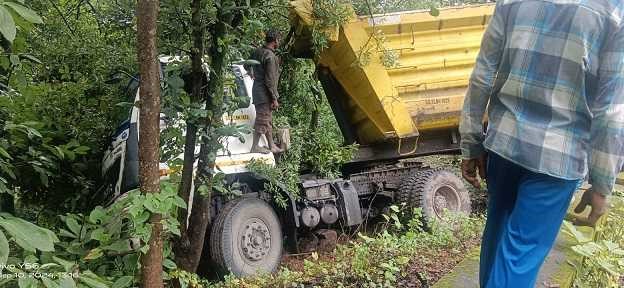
x: 348, y: 202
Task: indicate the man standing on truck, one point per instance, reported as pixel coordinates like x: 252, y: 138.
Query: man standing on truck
x: 551, y: 74
x: 264, y: 91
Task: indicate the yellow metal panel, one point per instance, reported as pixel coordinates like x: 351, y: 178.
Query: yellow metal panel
x: 370, y: 86
x: 426, y: 90
x: 436, y: 58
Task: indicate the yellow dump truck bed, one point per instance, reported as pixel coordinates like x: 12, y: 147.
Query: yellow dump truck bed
x: 420, y: 96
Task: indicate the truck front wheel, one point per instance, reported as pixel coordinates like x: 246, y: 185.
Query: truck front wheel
x: 435, y: 191
x: 246, y: 238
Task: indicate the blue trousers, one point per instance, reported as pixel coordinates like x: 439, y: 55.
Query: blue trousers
x: 525, y: 212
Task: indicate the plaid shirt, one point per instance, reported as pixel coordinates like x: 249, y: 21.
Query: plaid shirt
x: 551, y: 75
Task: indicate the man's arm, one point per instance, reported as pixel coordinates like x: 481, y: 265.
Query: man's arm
x: 271, y: 76
x: 607, y: 127
x: 481, y: 85
x: 477, y: 98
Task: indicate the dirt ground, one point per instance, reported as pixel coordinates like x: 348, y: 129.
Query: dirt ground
x: 427, y: 269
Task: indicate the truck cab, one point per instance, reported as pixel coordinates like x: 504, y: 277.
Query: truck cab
x: 120, y: 163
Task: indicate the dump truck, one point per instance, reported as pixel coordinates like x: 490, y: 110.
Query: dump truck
x: 394, y: 113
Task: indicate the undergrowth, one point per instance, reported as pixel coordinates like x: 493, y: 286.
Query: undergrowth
x: 603, y: 262
x: 377, y: 260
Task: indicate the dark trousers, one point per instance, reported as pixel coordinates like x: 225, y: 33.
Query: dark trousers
x: 525, y: 212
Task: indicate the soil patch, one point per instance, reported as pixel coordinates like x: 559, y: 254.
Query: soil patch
x: 431, y: 266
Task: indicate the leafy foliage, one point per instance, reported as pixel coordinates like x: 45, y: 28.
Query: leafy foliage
x: 8, y: 26
x: 603, y: 257
x: 36, y: 162
x: 101, y: 249
x: 60, y: 95
x: 327, y: 15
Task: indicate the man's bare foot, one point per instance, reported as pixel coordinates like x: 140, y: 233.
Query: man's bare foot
x: 262, y: 150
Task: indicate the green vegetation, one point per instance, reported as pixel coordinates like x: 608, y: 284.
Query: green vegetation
x: 603, y: 256
x: 376, y: 260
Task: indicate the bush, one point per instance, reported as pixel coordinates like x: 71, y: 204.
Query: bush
x: 603, y: 262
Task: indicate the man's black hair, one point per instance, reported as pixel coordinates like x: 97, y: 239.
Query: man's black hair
x: 271, y: 36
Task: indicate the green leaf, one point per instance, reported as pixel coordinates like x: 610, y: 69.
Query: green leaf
x: 4, y: 250
x: 172, y: 226
x: 123, y: 282
x: 81, y: 150
x: 67, y: 282
x: 119, y: 246
x: 179, y: 202
x: 5, y: 154
x: 27, y: 282
x: 142, y: 218
x: 92, y: 280
x: 73, y: 225
x: 97, y: 215
x: 151, y: 204
x: 28, y: 235
x: 49, y: 283
x: 7, y: 170
x: 167, y: 263
x: 571, y: 230
x: 66, y: 233
x: 67, y: 265
x: 15, y: 61
x: 7, y: 25
x: 69, y: 154
x: 26, y: 13
x: 31, y: 58
x: 100, y: 235
x: 94, y: 254
x: 76, y: 249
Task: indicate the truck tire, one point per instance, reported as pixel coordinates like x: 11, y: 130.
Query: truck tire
x: 434, y: 191
x: 246, y: 238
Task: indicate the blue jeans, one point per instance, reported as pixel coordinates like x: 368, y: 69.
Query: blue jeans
x: 525, y: 212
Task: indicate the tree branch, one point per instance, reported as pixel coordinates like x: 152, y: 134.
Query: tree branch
x: 73, y: 33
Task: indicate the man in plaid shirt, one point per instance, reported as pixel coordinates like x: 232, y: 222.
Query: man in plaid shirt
x: 551, y: 75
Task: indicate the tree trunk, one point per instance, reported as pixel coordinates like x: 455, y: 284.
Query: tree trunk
x: 184, y: 255
x: 200, y: 217
x: 149, y: 131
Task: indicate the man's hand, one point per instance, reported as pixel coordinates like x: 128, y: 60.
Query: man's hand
x: 274, y: 104
x: 470, y: 167
x: 598, y: 204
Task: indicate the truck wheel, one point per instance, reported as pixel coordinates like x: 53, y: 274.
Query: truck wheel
x: 246, y: 238
x: 435, y: 191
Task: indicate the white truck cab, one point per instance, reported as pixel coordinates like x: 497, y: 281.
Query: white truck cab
x: 120, y: 163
